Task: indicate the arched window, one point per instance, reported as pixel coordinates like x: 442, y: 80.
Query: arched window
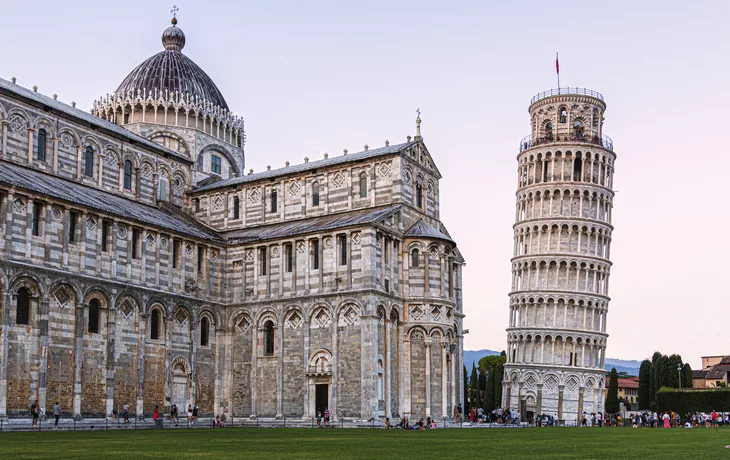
x: 563, y: 114
x: 577, y: 168
x: 315, y: 194
x: 274, y: 199
x: 414, y: 258
x: 89, y: 162
x: 363, y: 185
x: 155, y: 325
x: 419, y: 195
x: 41, y: 152
x: 236, y: 207
x: 93, y: 325
x: 578, y: 129
x: 128, y: 175
x: 204, y: 331
x: 549, y: 130
x: 269, y: 337
x: 22, y: 306
x: 163, y: 188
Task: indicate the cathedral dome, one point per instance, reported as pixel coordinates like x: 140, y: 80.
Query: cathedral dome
x: 172, y: 71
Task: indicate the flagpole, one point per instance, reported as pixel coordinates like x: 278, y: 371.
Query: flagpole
x: 557, y: 70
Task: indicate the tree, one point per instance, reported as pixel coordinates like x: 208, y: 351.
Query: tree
x: 612, y: 403
x: 644, y: 386
x: 492, y: 367
x: 482, y: 388
x: 686, y: 376
x: 466, y: 391
x: 474, y: 388
x: 652, y: 387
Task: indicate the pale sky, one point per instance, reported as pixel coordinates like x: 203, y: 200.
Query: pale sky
x: 315, y: 77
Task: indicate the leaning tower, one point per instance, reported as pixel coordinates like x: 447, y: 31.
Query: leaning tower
x: 556, y: 339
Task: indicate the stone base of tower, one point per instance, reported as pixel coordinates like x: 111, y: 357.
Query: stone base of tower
x: 563, y: 393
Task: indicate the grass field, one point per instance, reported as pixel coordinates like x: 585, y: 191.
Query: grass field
x: 530, y: 443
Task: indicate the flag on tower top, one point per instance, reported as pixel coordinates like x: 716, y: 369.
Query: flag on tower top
x: 557, y: 64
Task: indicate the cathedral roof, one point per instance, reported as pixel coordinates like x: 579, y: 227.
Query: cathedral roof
x: 170, y: 70
x: 421, y: 229
x: 102, y: 125
x: 82, y: 195
x: 366, y: 154
x: 312, y: 225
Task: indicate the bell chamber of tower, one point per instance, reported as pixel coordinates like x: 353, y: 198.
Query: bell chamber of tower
x: 556, y: 339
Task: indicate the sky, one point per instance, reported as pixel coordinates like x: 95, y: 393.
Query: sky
x: 318, y: 77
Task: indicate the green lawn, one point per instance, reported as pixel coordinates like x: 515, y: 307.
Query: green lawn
x: 293, y: 443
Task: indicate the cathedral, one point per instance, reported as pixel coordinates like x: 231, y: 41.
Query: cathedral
x: 141, y: 264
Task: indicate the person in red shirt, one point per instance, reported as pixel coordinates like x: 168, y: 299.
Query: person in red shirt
x: 156, y: 413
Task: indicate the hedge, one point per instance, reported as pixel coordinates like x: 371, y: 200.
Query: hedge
x: 683, y: 401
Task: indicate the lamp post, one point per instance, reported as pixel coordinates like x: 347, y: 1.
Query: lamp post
x: 679, y: 373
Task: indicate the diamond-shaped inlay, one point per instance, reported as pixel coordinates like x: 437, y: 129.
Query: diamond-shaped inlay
x: 589, y: 385
x: 19, y: 205
x: 295, y: 320
x: 433, y: 253
x: 417, y: 312
x: 409, y: 176
x: 249, y: 254
x: 91, y: 223
x: 181, y: 317
x: 436, y: 313
x: 383, y: 169
x: 350, y: 316
x: 322, y: 317
x: 110, y: 158
x: 217, y: 202
x: 150, y: 239
x: 530, y: 381
x: 338, y: 179
x: 126, y: 308
x: 293, y: 187
x: 243, y: 326
x: 146, y: 170
x: 62, y: 296
x: 356, y: 238
x: 188, y: 249
x: 17, y: 123
x: 301, y: 247
x: 429, y: 189
x: 254, y: 195
x: 572, y: 383
x: 213, y: 254
x: 551, y: 381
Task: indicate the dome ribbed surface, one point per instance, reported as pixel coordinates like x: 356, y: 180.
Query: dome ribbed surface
x: 172, y: 71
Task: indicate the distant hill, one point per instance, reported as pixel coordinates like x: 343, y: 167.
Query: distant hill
x: 631, y: 367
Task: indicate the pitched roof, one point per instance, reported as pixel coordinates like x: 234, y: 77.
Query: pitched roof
x: 366, y: 154
x: 700, y: 374
x: 78, y: 114
x: 421, y: 229
x: 63, y: 189
x: 311, y: 225
x: 632, y: 382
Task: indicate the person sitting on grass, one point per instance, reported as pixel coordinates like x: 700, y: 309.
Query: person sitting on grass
x: 387, y: 424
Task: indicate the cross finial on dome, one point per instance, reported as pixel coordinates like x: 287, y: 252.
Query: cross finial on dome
x: 174, y: 11
x: 418, y: 124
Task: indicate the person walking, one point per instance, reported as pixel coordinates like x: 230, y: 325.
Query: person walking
x: 35, y: 412
x: 666, y: 417
x: 190, y: 414
x: 115, y: 414
x: 56, y: 413
x: 196, y: 409
x: 326, y: 417
x: 126, y: 413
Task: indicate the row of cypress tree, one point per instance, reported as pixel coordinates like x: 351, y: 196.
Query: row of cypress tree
x: 661, y: 371
x: 483, y: 387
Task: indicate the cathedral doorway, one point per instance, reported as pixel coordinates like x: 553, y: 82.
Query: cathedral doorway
x: 322, y: 397
x: 179, y: 387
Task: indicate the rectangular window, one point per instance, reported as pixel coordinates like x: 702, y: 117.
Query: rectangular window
x: 342, y: 243
x: 315, y: 254
x: 105, y: 230
x: 215, y: 164
x: 196, y: 204
x: 262, y: 260
x: 201, y: 259
x: 419, y: 196
x: 289, y: 254
x: 274, y: 201
x: 72, y: 217
x: 37, y: 211
x: 387, y: 285
x: 176, y: 253
x: 386, y: 248
x: 135, y: 243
